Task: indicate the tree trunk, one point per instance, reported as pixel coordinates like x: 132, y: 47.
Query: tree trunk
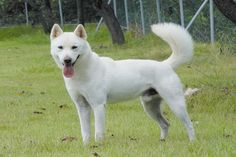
x: 111, y: 21
x: 228, y: 8
x: 47, y: 18
x: 43, y: 13
x: 80, y: 11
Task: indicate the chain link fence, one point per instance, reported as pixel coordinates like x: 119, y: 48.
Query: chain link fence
x: 224, y: 29
x: 138, y: 15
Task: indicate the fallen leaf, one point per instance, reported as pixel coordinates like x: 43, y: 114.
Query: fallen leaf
x: 191, y: 91
x: 227, y: 135
x: 94, y: 146
x: 96, y: 154
x: 37, y: 112
x: 132, y: 138
x: 42, y: 108
x: 42, y: 93
x: 68, y: 139
x: 63, y: 106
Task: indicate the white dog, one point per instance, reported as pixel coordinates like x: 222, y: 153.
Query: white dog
x: 93, y: 81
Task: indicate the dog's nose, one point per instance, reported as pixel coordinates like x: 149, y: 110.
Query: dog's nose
x: 67, y: 60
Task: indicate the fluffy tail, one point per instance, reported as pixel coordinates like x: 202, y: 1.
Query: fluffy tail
x: 179, y: 40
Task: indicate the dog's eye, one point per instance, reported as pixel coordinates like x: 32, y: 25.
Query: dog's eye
x: 74, y: 47
x: 60, y: 47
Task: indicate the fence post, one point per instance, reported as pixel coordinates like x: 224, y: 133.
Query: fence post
x: 181, y: 12
x: 196, y: 14
x: 61, y: 15
x: 158, y: 10
x: 212, y: 22
x: 142, y: 17
x: 26, y: 13
x: 126, y: 14
x: 114, y: 7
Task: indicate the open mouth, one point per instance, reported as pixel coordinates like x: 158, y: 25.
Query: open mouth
x: 68, y: 69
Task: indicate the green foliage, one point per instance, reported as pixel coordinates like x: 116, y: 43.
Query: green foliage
x: 37, y: 117
x: 2, y: 4
x: 23, y: 34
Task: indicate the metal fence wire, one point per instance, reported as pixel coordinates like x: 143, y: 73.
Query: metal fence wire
x: 138, y: 15
x: 224, y: 29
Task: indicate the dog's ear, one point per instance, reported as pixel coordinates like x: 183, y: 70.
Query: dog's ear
x: 56, y: 31
x: 80, y: 32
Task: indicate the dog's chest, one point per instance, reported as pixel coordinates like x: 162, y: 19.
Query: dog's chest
x: 75, y: 87
x: 91, y: 91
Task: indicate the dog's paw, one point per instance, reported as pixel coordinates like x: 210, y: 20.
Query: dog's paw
x: 99, y: 137
x: 86, y: 140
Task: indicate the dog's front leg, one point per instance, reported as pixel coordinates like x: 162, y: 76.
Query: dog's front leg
x: 84, y: 112
x: 84, y: 116
x: 99, y: 115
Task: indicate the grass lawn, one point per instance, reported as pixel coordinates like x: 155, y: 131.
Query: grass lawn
x: 37, y: 117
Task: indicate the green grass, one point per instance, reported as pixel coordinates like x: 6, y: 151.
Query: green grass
x: 36, y: 112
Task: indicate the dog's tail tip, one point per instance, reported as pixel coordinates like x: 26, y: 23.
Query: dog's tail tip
x: 179, y: 40
x: 159, y: 28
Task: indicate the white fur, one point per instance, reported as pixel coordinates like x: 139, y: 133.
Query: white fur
x: 99, y: 80
x: 179, y: 40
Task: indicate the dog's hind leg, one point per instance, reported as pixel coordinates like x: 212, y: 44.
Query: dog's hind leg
x: 171, y: 91
x: 177, y: 105
x: 151, y: 102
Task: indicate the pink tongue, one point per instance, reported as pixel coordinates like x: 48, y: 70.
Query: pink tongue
x: 68, y: 71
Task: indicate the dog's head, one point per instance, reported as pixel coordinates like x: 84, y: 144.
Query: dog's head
x: 67, y: 48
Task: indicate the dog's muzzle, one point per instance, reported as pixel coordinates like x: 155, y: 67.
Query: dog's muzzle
x: 68, y: 69
x: 68, y: 61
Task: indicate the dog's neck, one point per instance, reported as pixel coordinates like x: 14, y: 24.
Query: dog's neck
x: 88, y: 64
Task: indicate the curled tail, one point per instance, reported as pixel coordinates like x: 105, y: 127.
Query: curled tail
x: 179, y: 40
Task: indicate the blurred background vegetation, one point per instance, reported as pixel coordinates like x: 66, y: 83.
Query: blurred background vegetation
x: 46, y: 13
